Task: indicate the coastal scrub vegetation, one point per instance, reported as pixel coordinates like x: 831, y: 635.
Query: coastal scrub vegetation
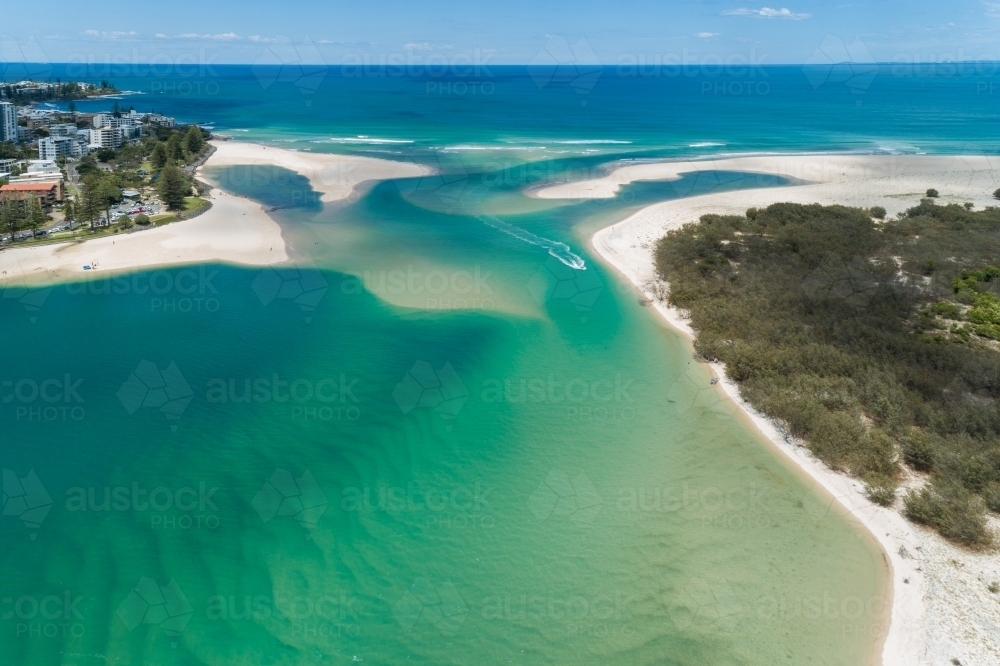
x: 875, y: 342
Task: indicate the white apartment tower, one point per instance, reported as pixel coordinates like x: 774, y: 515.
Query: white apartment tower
x: 8, y: 122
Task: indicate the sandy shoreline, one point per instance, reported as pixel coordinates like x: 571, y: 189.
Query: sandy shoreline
x: 235, y: 230
x: 941, y: 608
x: 334, y: 176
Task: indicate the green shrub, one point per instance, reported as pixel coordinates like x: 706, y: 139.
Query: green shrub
x: 932, y: 194
x: 880, y: 490
x: 878, y: 212
x: 919, y: 447
x: 954, y: 512
x: 946, y: 310
x: 805, y: 306
x: 991, y: 495
x: 142, y: 219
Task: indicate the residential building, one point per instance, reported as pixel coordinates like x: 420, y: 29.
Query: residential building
x: 63, y: 129
x: 132, y: 119
x: 53, y: 147
x: 160, y: 121
x: 23, y: 134
x: 48, y: 167
x: 105, y: 137
x: 8, y: 122
x: 7, y: 167
x: 49, y: 194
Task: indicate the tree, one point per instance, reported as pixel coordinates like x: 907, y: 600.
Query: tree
x: 10, y: 217
x: 194, y: 141
x: 996, y: 194
x: 878, y: 212
x: 175, y: 147
x: 72, y: 108
x: 159, y: 157
x: 35, y: 216
x: 107, y: 193
x: 87, y: 209
x: 69, y: 211
x: 142, y: 219
x: 173, y: 187
x: 932, y: 193
x: 99, y: 192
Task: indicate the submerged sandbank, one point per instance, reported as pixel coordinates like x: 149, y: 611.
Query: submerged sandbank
x: 941, y: 607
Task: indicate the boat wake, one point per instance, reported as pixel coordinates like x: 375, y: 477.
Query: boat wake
x: 556, y: 249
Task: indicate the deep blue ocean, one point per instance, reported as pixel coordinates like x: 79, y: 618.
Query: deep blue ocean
x: 628, y: 110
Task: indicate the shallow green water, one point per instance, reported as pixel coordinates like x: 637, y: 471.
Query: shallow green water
x: 431, y: 441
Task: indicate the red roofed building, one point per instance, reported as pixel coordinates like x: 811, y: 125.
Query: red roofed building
x: 47, y: 193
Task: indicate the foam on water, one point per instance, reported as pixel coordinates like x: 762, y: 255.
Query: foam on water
x: 559, y: 250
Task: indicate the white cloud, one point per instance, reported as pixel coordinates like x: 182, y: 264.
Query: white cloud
x: 422, y: 46
x: 225, y: 37
x: 708, y: 35
x: 992, y: 9
x: 766, y: 12
x: 114, y: 34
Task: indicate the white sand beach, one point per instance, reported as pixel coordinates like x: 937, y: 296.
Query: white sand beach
x: 941, y: 607
x: 235, y: 230
x: 333, y: 176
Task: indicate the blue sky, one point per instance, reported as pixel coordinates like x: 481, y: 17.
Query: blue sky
x: 513, y: 31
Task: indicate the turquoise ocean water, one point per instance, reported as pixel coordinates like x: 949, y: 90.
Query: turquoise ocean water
x: 446, y: 434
